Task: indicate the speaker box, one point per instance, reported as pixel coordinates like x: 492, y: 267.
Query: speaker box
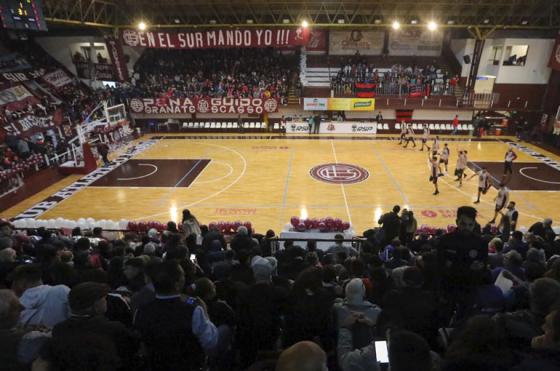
x: 467, y: 59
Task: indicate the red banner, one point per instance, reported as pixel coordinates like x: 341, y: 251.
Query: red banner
x: 554, y: 62
x: 16, y: 98
x: 57, y: 78
x: 116, y: 54
x: 213, y: 39
x: 318, y: 42
x: 203, y: 105
x: 29, y: 125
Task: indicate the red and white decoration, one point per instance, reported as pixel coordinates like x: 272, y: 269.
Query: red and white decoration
x: 215, y: 39
x: 203, y: 105
x: 325, y: 225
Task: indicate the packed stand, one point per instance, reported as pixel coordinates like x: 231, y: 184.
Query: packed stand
x: 398, y: 80
x: 66, y: 106
x: 190, y: 298
x: 238, y: 73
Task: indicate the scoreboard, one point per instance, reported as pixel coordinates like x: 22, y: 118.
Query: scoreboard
x: 22, y: 15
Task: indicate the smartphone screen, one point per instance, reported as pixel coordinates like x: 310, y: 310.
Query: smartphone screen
x: 381, y: 352
x: 193, y: 258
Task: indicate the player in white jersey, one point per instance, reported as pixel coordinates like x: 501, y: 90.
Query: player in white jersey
x: 425, y: 136
x: 483, y: 182
x: 434, y: 172
x: 410, y: 137
x: 461, y: 166
x: 444, y: 158
x: 404, y: 129
x: 501, y: 200
x: 435, y: 144
x: 509, y: 157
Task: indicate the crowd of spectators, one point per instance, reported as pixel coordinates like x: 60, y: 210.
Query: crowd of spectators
x: 238, y: 73
x: 398, y: 80
x: 190, y: 298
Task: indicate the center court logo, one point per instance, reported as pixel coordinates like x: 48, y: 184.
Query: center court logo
x: 339, y: 173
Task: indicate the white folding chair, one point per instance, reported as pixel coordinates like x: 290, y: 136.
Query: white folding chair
x: 276, y: 126
x: 385, y: 126
x: 207, y: 125
x: 398, y: 126
x: 229, y: 125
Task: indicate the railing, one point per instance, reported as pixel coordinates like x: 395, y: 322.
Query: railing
x: 395, y: 89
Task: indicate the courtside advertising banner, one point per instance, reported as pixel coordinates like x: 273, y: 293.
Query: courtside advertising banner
x: 217, y: 38
x: 203, y: 105
x: 315, y: 104
x: 350, y: 42
x: 351, y: 104
x: 415, y: 42
x: 338, y: 104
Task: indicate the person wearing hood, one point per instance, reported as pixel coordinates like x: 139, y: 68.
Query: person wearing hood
x: 357, y: 314
x: 43, y: 304
x: 20, y: 346
x: 190, y: 224
x: 88, y: 337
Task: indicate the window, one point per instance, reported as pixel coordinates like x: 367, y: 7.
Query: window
x: 516, y: 55
x: 496, y: 55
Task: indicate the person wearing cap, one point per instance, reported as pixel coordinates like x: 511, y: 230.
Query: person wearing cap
x: 175, y: 331
x: 260, y: 309
x: 20, y: 346
x: 42, y: 304
x: 88, y: 336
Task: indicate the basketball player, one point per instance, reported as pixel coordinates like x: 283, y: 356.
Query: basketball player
x: 512, y: 215
x: 434, y: 172
x: 501, y: 200
x: 444, y: 158
x: 410, y: 137
x: 483, y: 182
x: 461, y: 167
x: 435, y: 144
x: 510, y: 156
x: 425, y: 136
x: 403, y: 132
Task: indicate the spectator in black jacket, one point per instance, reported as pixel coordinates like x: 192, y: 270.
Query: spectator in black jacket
x: 88, y: 338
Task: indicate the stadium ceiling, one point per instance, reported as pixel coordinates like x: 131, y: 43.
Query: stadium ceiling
x: 483, y: 14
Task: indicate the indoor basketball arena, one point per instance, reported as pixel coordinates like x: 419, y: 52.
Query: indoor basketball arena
x: 280, y: 185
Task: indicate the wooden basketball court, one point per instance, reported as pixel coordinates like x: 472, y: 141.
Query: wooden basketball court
x: 267, y: 179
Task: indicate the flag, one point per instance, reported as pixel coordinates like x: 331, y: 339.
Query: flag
x: 554, y: 61
x: 365, y: 90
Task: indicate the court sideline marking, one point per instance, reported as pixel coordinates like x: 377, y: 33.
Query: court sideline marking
x: 342, y: 187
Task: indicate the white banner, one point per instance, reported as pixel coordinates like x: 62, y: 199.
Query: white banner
x: 350, y: 42
x: 315, y: 104
x: 57, y: 78
x: 415, y: 42
x: 14, y: 94
x: 333, y: 127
